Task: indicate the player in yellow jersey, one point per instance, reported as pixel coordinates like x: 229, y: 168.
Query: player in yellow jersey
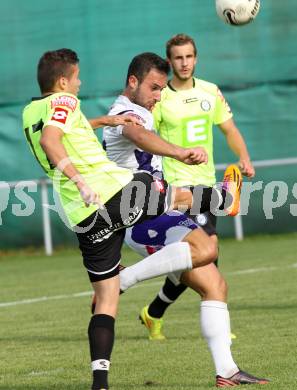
x: 185, y: 116
x: 101, y: 199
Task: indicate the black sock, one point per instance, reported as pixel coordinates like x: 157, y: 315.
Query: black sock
x: 171, y: 291
x: 101, y: 338
x: 207, y: 199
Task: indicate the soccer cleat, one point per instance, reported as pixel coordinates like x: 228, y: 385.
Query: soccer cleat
x: 232, y: 183
x: 93, y: 303
x: 153, y: 325
x: 233, y: 336
x: 240, y: 378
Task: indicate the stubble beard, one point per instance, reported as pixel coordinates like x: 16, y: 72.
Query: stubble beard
x: 135, y: 98
x: 183, y: 78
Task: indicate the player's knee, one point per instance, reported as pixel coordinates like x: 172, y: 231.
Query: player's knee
x: 216, y: 289
x: 203, y: 252
x: 225, y: 287
x: 220, y: 287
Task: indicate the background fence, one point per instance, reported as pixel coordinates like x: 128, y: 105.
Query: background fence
x: 273, y: 203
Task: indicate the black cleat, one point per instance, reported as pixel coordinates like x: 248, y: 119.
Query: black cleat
x: 240, y: 378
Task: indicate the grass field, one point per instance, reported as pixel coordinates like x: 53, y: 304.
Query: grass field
x: 43, y: 341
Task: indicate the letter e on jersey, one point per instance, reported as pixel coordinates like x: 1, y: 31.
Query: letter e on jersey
x: 60, y: 115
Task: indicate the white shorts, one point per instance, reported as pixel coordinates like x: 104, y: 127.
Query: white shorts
x: 152, y: 235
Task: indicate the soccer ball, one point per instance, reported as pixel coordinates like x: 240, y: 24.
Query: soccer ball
x: 237, y: 12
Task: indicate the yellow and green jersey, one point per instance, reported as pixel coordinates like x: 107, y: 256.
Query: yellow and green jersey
x: 186, y: 118
x: 62, y: 110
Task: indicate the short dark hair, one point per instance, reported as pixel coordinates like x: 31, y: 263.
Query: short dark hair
x: 179, y: 40
x: 53, y: 65
x: 143, y: 63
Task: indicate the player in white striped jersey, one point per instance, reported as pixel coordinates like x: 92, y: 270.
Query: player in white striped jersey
x: 121, y: 149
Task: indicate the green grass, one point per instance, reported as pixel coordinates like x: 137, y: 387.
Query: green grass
x: 43, y: 345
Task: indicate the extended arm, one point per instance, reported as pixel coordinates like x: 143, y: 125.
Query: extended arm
x: 113, y: 120
x: 51, y: 143
x: 152, y: 143
x: 238, y: 146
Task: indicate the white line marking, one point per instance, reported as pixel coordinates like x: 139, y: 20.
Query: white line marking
x: 40, y: 299
x: 45, y: 373
x: 89, y: 293
x: 63, y: 296
x: 253, y: 270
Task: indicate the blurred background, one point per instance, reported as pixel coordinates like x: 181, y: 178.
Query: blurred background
x: 255, y: 66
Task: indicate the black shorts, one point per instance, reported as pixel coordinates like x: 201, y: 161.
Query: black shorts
x: 207, y: 221
x: 101, y: 235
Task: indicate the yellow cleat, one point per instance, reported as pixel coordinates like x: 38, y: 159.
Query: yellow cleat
x: 232, y: 184
x: 233, y: 336
x: 153, y: 325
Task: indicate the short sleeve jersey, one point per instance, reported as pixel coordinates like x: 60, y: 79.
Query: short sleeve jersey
x: 122, y: 150
x: 186, y: 118
x: 62, y: 110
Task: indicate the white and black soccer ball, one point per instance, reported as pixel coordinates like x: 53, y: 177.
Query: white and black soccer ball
x: 237, y: 12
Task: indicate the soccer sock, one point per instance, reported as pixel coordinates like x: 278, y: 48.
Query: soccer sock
x: 204, y: 199
x: 167, y: 295
x: 101, y: 338
x: 215, y: 327
x: 171, y: 258
x: 209, y: 199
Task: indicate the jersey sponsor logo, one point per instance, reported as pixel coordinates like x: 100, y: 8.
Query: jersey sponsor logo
x: 136, y: 116
x: 205, y: 105
x: 66, y: 101
x: 159, y: 185
x: 190, y: 100
x: 195, y: 130
x: 60, y: 115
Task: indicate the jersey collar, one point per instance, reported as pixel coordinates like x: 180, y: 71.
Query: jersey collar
x: 173, y: 89
x: 40, y: 97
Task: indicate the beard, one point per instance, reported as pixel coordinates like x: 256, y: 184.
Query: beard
x: 136, y: 98
x: 181, y: 77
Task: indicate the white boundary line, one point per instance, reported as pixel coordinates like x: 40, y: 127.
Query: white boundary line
x: 88, y: 293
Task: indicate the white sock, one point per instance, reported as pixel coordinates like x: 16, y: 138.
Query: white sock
x: 173, y: 257
x: 215, y: 327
